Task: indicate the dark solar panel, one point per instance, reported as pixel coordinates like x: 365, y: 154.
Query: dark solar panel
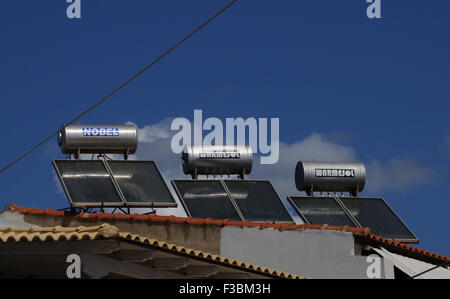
x: 141, y: 182
x: 379, y: 217
x: 258, y: 201
x: 321, y: 210
x: 87, y: 182
x: 205, y: 198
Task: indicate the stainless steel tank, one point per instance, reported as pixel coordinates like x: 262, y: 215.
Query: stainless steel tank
x: 101, y: 139
x: 217, y: 160
x: 330, y: 177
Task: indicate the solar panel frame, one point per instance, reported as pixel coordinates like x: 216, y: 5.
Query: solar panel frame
x: 339, y: 204
x: 403, y: 240
x: 132, y: 204
x: 184, y: 204
x: 275, y: 192
x: 353, y: 218
x: 79, y: 204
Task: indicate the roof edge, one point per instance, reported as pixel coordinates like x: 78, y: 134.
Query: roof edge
x: 184, y: 220
x: 108, y: 231
x: 363, y: 234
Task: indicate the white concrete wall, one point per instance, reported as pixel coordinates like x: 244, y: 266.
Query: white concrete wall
x: 8, y: 218
x: 312, y: 253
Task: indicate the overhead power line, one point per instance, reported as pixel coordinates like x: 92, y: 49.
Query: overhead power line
x: 121, y: 86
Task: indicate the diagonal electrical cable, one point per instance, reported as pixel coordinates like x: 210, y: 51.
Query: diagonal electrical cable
x: 121, y: 86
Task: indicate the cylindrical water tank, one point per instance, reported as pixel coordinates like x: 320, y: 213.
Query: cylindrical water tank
x: 330, y: 177
x: 217, y: 160
x: 101, y: 139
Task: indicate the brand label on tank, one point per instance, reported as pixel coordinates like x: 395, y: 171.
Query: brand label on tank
x: 101, y: 132
x: 335, y: 172
x: 220, y: 155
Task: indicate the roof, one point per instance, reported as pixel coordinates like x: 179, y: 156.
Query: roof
x: 206, y: 256
x: 105, y: 231
x: 57, y: 233
x: 413, y: 267
x: 186, y: 220
x: 362, y: 234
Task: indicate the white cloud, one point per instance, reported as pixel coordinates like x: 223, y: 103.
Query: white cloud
x: 396, y: 175
x: 316, y: 147
x: 154, y: 144
x: 393, y: 175
x: 151, y: 133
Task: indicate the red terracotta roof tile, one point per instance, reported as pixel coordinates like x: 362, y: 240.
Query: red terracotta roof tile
x: 312, y: 226
x: 189, y: 220
x: 51, y: 212
x: 228, y: 222
x: 333, y: 227
x: 214, y: 222
x: 268, y: 225
x: 138, y: 217
x: 174, y: 219
x: 288, y: 226
x: 197, y: 221
x: 363, y: 232
x: 405, y: 248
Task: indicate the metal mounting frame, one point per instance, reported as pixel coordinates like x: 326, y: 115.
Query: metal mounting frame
x: 230, y: 197
x: 123, y: 204
x: 348, y: 213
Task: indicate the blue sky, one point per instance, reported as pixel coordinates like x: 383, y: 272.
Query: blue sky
x: 343, y: 87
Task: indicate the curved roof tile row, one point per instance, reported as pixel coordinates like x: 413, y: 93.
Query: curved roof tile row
x: 107, y: 231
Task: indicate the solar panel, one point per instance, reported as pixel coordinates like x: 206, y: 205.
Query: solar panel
x: 87, y: 183
x: 258, y: 201
x: 376, y: 214
x: 321, y: 210
x: 141, y: 183
x: 205, y: 198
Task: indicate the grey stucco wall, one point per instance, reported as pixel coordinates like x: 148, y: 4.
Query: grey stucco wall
x: 312, y: 253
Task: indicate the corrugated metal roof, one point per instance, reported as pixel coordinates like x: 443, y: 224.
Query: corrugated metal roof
x: 107, y: 231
